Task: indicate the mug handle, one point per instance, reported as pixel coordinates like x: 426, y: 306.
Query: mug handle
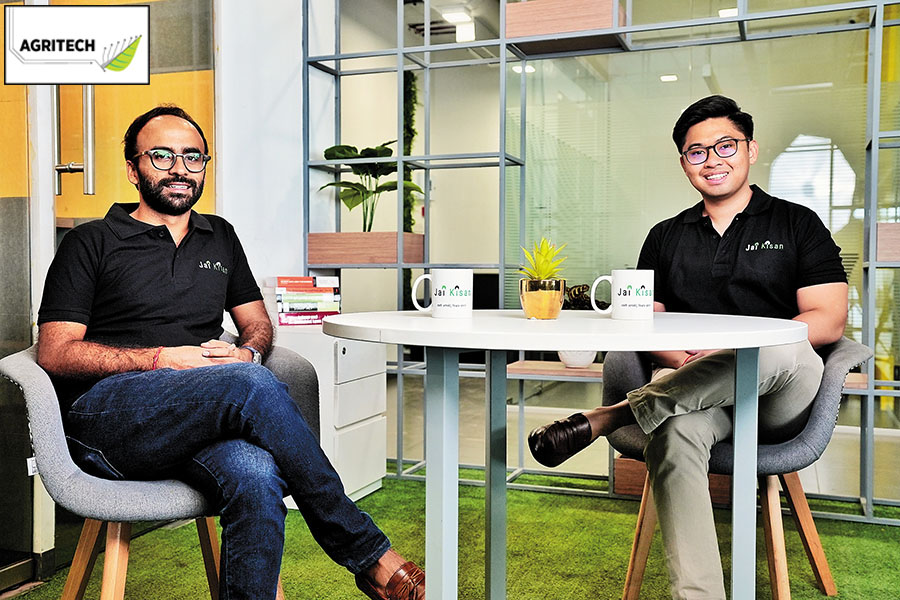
x: 594, y: 289
x: 415, y: 285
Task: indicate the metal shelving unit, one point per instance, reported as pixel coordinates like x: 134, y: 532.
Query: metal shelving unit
x: 627, y: 37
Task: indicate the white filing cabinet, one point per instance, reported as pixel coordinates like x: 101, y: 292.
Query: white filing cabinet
x: 352, y: 403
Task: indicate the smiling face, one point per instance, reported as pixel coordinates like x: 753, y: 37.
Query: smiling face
x: 719, y: 179
x: 175, y: 191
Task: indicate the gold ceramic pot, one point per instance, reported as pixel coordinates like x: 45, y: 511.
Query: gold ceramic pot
x: 542, y: 298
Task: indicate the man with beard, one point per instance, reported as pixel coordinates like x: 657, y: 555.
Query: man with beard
x: 129, y: 331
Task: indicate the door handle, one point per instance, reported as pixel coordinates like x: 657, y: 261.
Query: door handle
x: 87, y: 139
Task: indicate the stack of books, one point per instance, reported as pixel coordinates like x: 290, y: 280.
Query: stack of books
x: 304, y: 300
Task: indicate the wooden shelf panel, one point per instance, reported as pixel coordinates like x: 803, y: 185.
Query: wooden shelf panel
x: 548, y: 17
x: 542, y: 17
x: 856, y: 381
x: 357, y: 248
x: 888, y: 242
x: 550, y: 369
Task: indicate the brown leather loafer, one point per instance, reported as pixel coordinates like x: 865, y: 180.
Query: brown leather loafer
x: 555, y: 443
x: 407, y: 583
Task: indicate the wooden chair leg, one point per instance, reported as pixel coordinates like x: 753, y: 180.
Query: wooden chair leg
x: 209, y: 547
x: 640, y: 548
x: 796, y: 498
x: 115, y: 562
x: 773, y: 529
x: 83, y: 562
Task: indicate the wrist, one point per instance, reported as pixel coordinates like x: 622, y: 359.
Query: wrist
x: 254, y: 355
x: 154, y: 364
x: 686, y: 359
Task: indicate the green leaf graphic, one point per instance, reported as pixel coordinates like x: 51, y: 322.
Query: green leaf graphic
x: 121, y: 60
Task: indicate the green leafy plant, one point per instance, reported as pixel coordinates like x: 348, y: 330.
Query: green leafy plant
x: 368, y: 189
x: 543, y: 262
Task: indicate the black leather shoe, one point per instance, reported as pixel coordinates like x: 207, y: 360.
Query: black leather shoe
x: 555, y: 443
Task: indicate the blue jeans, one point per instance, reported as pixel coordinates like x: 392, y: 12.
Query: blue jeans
x: 234, y: 433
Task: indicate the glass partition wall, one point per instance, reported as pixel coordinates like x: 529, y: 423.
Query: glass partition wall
x: 584, y: 121
x: 601, y: 169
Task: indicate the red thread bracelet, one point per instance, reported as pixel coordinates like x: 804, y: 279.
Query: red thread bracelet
x: 686, y: 358
x: 156, y: 359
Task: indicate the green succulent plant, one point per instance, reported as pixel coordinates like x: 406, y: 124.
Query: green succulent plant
x: 367, y: 190
x: 543, y: 262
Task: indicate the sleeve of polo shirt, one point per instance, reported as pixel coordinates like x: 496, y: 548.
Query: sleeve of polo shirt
x: 71, y: 281
x: 819, y: 257
x: 242, y: 287
x: 650, y: 258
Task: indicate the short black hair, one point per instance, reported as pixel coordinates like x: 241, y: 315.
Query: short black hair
x: 711, y: 107
x: 130, y: 139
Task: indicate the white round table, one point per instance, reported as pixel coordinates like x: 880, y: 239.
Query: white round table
x: 497, y: 331
x: 573, y: 330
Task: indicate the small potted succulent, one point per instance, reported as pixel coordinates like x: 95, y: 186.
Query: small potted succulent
x: 542, y: 291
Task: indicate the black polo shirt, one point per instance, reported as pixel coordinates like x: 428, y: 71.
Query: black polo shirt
x: 770, y: 250
x: 132, y: 286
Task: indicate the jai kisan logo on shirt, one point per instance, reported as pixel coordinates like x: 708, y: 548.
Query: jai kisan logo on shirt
x: 214, y: 266
x: 77, y: 44
x: 766, y: 245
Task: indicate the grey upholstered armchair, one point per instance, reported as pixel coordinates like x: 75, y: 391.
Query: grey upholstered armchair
x: 119, y: 503
x: 626, y: 371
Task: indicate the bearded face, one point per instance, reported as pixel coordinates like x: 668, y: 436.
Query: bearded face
x: 174, y: 190
x: 169, y: 194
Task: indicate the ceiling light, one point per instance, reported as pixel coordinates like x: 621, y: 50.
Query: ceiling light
x: 803, y: 87
x: 528, y: 69
x: 465, y: 32
x: 728, y: 12
x: 456, y: 14
x: 668, y: 78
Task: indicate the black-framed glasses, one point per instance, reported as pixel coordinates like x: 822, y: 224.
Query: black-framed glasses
x: 723, y: 148
x: 164, y: 159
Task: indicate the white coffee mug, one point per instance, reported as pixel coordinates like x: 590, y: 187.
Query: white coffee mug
x: 451, y: 293
x: 631, y: 296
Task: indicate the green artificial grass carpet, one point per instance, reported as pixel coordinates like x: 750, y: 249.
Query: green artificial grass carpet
x: 559, y: 547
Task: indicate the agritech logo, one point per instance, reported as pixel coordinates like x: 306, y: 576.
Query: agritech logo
x: 77, y: 44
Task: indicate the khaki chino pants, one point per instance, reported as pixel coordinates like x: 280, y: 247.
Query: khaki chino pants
x: 685, y: 412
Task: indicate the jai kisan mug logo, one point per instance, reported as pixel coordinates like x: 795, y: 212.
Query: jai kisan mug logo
x: 77, y: 44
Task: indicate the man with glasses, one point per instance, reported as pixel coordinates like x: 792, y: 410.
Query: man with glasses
x: 129, y: 331
x: 737, y: 251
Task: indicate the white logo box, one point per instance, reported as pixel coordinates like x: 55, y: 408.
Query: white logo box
x: 77, y: 45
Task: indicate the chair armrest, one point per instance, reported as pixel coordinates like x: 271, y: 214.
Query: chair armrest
x: 299, y: 375
x: 48, y: 439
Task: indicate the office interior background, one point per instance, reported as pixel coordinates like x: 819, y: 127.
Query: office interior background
x: 564, y: 141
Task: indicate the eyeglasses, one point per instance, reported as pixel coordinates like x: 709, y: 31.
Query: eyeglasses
x: 723, y: 149
x: 164, y: 160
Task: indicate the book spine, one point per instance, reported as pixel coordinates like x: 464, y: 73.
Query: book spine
x: 304, y: 318
x: 287, y: 307
x: 305, y: 290
x: 294, y: 281
x: 305, y: 298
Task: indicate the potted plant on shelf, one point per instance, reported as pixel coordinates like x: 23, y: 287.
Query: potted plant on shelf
x: 542, y: 291
x: 368, y: 189
x: 367, y: 246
